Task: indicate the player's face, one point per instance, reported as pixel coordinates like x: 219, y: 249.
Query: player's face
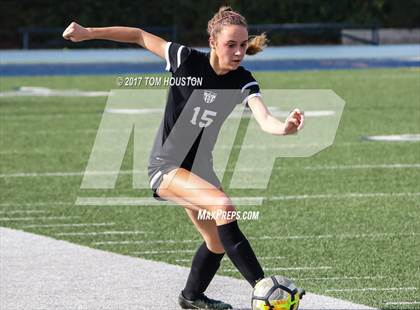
x: 231, y: 44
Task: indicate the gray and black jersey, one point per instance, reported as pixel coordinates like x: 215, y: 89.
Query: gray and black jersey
x: 195, y: 112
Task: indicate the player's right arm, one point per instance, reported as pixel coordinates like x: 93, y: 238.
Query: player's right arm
x: 154, y: 44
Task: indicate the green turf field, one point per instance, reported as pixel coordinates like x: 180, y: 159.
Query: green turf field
x: 355, y: 235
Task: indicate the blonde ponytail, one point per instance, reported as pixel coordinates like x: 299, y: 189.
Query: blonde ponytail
x: 256, y: 44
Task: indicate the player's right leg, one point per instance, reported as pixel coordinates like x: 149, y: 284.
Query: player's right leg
x: 198, y: 194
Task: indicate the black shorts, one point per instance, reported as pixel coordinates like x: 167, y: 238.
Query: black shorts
x: 158, y: 168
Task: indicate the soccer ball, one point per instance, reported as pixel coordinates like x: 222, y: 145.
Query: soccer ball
x: 275, y: 293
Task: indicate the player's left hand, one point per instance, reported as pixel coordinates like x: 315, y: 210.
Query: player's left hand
x: 294, y: 122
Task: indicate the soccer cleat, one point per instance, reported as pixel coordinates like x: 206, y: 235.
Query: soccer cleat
x: 301, y: 292
x: 202, y: 302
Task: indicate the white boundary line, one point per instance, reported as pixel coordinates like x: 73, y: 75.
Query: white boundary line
x: 301, y: 237
x: 69, y: 225
x: 253, y: 201
x: 339, y: 278
x: 337, y: 236
x: 381, y: 166
x: 102, y: 233
x: 162, y: 252
x: 9, y: 219
x: 149, y: 201
x: 396, y: 303
x: 22, y: 211
x: 373, y: 289
x: 129, y: 172
x: 144, y: 242
x: 36, y: 204
x: 339, y: 196
x: 61, y: 174
x: 130, y: 201
x: 227, y: 259
x: 59, y: 151
x: 286, y: 268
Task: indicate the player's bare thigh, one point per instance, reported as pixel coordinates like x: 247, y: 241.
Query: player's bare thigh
x: 197, y: 193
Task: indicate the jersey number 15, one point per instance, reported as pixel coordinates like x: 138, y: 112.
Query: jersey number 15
x: 206, y: 120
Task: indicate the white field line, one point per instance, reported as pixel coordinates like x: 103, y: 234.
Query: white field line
x: 393, y: 138
x: 263, y: 257
x: 39, y: 151
x: 382, y: 166
x: 287, y: 268
x: 227, y: 259
x: 144, y: 242
x: 397, y: 303
x: 373, y: 289
x: 102, y: 233
x: 97, y: 201
x: 22, y: 211
x: 33, y: 91
x: 250, y: 201
x: 339, y: 196
x: 339, y: 278
x: 253, y: 147
x: 129, y: 172
x: 149, y: 201
x: 69, y: 225
x: 62, y: 174
x: 36, y: 204
x: 338, y: 236
x: 302, y: 237
x: 163, y: 252
x: 333, y: 167
x: 9, y: 219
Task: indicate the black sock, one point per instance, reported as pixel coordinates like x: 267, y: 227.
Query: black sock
x: 204, y: 266
x: 240, y: 252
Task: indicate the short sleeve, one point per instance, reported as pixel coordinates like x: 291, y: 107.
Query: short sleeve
x: 249, y: 87
x: 175, y: 55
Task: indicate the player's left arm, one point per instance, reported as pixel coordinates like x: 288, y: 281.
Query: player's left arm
x: 272, y: 125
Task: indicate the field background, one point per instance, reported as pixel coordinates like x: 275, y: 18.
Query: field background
x: 356, y: 232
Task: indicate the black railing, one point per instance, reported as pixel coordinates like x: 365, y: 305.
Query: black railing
x: 314, y: 28
x: 47, y: 37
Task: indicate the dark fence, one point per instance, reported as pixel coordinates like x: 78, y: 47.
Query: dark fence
x: 316, y: 33
x: 51, y: 37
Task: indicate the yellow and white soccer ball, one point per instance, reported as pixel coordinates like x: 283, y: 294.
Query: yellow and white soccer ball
x: 275, y: 293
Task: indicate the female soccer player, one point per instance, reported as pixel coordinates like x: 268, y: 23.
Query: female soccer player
x: 180, y: 164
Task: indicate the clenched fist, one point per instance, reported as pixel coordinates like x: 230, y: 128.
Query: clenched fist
x: 294, y: 122
x: 76, y: 33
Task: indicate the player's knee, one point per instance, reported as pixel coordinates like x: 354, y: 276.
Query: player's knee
x: 214, y: 245
x: 223, y: 203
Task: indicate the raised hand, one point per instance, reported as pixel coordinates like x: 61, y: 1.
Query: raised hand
x: 76, y: 33
x: 294, y: 122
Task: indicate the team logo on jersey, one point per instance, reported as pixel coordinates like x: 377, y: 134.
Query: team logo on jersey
x: 209, y: 96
